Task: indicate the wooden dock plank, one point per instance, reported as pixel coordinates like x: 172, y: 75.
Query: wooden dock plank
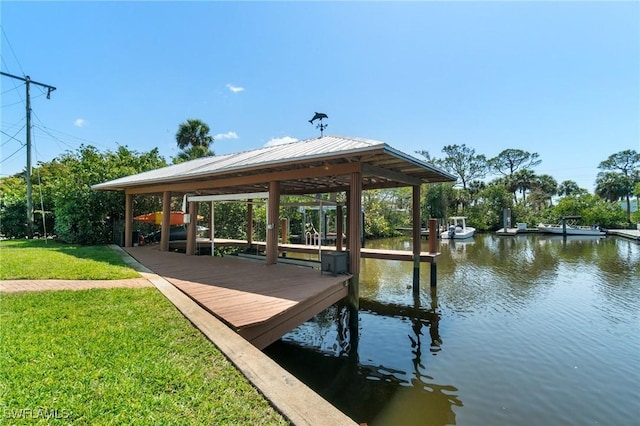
x: 308, y: 249
x: 260, y: 302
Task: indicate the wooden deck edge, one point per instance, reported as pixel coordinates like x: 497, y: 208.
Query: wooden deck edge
x: 629, y: 234
x: 292, y: 398
x: 263, y: 334
x: 398, y: 255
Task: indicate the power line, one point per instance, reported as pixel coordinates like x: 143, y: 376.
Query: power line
x: 8, y: 126
x: 6, y: 158
x: 56, y: 139
x: 12, y: 82
x: 12, y: 51
x: 28, y: 82
x: 49, y: 130
x: 12, y: 137
x: 9, y: 90
x: 21, y: 101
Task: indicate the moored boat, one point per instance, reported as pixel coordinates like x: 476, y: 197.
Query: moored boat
x: 571, y: 230
x: 458, y: 229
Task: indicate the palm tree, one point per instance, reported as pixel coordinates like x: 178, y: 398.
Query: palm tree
x: 474, y: 189
x: 614, y: 186
x: 524, y: 180
x: 191, y: 153
x: 194, y: 140
x: 547, y: 186
x: 509, y: 183
x: 627, y: 164
x: 568, y: 187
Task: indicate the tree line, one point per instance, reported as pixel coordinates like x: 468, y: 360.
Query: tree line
x: 67, y: 207
x: 530, y: 196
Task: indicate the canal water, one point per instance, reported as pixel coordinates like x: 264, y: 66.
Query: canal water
x: 523, y: 330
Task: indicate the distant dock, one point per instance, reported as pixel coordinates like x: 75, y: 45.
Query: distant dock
x: 515, y: 231
x: 520, y: 229
x: 630, y: 234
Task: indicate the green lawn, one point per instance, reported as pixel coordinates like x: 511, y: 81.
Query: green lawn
x: 48, y: 259
x: 120, y: 356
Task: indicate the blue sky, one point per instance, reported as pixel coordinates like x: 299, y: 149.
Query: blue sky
x: 561, y: 79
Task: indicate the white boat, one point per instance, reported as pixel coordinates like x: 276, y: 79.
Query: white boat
x: 571, y: 230
x: 458, y: 229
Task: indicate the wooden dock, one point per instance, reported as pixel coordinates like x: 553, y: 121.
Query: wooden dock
x: 260, y: 302
x: 404, y: 255
x: 516, y: 231
x: 629, y: 234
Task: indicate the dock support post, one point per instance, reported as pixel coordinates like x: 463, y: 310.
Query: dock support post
x: 355, y: 232
x: 191, y: 229
x: 433, y: 248
x: 166, y: 221
x: 355, y: 206
x: 348, y: 219
x: 434, y: 327
x: 249, y: 222
x: 272, y: 222
x: 354, y: 333
x: 128, y: 220
x: 434, y: 275
x: 283, y: 230
x: 416, y: 239
x: 339, y: 230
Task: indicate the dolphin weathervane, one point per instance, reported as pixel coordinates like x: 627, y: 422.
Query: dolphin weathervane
x: 321, y: 125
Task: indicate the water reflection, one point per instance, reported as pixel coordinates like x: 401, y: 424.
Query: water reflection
x: 525, y: 330
x: 386, y: 371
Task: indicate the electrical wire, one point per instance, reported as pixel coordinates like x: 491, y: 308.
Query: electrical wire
x: 6, y: 38
x: 13, y: 81
x: 5, y: 159
x: 14, y: 136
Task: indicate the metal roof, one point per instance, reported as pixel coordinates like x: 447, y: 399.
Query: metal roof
x: 383, y: 166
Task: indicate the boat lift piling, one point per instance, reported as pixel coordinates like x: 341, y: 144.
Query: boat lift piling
x: 433, y: 248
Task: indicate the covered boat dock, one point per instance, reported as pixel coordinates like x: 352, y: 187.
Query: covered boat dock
x: 325, y: 165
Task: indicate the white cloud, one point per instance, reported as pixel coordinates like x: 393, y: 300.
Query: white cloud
x: 80, y: 122
x: 281, y: 141
x: 228, y: 135
x: 235, y: 89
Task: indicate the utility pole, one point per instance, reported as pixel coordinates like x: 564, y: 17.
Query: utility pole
x: 27, y: 80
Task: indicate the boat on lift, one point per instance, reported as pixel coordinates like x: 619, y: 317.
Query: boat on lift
x: 458, y: 229
x: 571, y: 230
x: 568, y: 226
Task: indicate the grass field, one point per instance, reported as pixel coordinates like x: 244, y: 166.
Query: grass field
x: 108, y: 357
x: 120, y: 356
x: 48, y: 259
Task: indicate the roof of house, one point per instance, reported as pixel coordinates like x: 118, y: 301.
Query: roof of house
x: 310, y: 166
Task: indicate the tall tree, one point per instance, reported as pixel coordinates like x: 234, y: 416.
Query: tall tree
x: 194, y: 140
x: 474, y: 189
x: 83, y: 215
x: 626, y: 163
x: 464, y: 163
x: 524, y: 181
x: 611, y: 186
x: 569, y: 187
x: 509, y: 183
x: 510, y: 161
x: 426, y: 155
x: 546, y: 187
